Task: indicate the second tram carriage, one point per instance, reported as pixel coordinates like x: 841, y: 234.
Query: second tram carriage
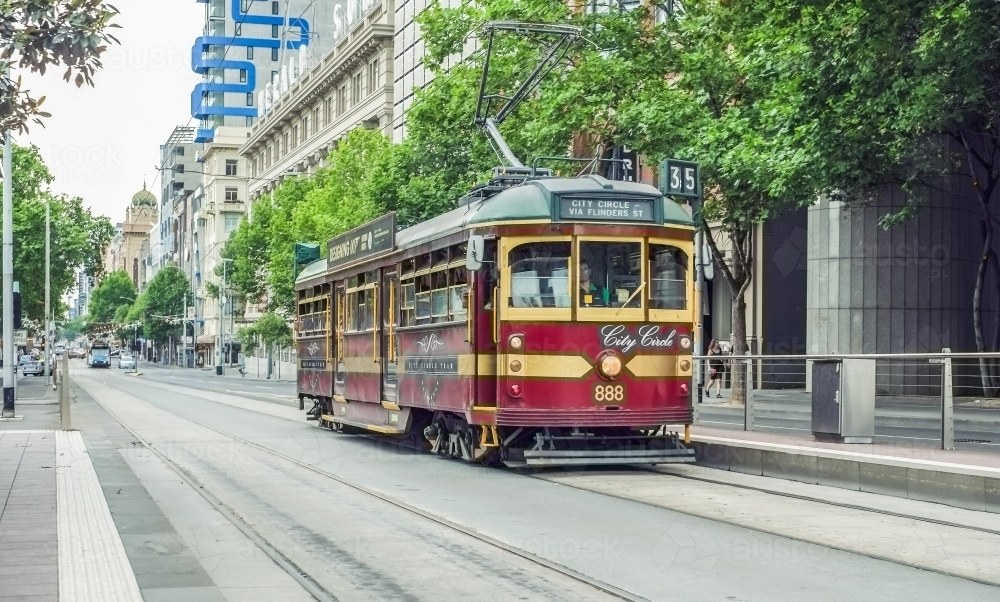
x: 545, y: 321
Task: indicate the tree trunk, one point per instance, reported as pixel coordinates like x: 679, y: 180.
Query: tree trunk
x: 738, y: 277
x: 737, y: 367
x: 977, y: 312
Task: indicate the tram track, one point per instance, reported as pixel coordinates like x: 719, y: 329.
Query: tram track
x: 303, y: 578
x: 555, y: 567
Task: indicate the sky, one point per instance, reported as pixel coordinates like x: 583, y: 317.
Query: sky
x: 101, y: 143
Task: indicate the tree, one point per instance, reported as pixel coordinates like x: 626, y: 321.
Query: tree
x: 38, y: 34
x: 693, y: 87
x: 269, y: 330
x: 161, y: 306
x: 114, y: 291
x: 355, y: 186
x: 77, y: 236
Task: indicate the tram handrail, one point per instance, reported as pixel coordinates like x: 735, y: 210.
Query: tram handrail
x: 856, y: 356
x: 375, y: 324
x: 496, y: 314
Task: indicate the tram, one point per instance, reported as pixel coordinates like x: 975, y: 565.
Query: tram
x: 544, y: 321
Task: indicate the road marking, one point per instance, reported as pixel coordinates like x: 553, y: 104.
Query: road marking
x: 92, y: 560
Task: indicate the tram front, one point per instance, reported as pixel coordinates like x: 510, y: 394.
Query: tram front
x: 594, y: 332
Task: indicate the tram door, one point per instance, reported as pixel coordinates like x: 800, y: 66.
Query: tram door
x: 337, y: 345
x: 390, y: 319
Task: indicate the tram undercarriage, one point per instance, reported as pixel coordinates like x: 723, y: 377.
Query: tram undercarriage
x: 449, y: 434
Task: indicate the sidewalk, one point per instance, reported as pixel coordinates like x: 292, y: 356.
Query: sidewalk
x: 286, y: 370
x: 919, y: 471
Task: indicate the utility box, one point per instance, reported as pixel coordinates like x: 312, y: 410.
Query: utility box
x: 843, y: 400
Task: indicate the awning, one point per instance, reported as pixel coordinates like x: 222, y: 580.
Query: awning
x: 206, y: 339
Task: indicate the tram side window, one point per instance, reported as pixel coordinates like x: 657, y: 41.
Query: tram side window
x: 668, y: 277
x: 457, y: 297
x: 491, y: 273
x: 423, y: 299
x: 540, y: 275
x: 439, y: 296
x: 609, y: 274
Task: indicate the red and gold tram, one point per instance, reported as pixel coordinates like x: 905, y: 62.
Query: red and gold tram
x: 545, y: 321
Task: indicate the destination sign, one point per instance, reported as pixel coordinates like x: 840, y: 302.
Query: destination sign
x: 374, y: 238
x: 447, y: 364
x: 606, y: 210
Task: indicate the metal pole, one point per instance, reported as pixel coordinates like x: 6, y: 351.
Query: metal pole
x: 8, y: 278
x: 947, y: 407
x: 748, y: 416
x: 699, y: 287
x: 49, y: 343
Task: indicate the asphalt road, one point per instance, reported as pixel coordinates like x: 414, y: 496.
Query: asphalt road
x: 369, y: 521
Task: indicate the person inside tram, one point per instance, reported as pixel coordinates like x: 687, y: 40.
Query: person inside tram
x: 591, y: 294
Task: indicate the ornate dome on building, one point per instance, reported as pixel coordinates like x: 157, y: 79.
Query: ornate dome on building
x: 144, y: 197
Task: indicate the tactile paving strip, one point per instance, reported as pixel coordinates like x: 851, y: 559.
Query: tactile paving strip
x: 93, y: 565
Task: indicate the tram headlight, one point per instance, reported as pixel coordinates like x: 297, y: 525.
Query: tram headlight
x: 685, y: 342
x: 685, y: 365
x: 515, y: 366
x: 516, y: 342
x: 609, y: 365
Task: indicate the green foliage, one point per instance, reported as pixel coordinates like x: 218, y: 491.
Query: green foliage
x: 162, y: 304
x: 269, y: 330
x: 356, y: 186
x: 49, y: 33
x: 77, y: 236
x: 114, y: 291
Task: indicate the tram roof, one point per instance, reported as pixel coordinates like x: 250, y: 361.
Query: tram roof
x: 532, y: 200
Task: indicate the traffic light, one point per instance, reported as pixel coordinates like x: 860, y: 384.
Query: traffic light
x: 17, y: 310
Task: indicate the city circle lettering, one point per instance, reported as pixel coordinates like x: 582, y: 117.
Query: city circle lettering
x: 638, y: 211
x: 616, y: 336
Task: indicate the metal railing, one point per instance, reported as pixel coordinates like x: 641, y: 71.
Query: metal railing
x: 915, y: 394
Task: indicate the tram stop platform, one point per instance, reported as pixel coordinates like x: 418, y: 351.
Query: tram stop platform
x: 917, y: 471
x: 57, y: 538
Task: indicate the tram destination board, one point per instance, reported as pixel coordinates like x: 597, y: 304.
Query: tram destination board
x: 374, y: 238
x: 606, y: 210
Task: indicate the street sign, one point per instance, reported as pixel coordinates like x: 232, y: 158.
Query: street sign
x: 680, y: 178
x: 20, y: 337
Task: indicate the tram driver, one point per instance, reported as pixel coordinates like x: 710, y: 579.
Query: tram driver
x: 591, y: 294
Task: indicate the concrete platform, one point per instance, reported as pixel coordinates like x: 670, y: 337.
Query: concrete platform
x: 965, y: 479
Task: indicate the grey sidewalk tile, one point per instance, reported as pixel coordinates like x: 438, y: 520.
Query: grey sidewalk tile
x: 188, y: 594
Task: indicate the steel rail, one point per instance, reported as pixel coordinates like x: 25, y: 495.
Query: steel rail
x: 307, y: 581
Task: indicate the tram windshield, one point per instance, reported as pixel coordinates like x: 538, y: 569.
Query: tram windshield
x: 668, y: 277
x: 607, y: 274
x: 540, y: 275
x: 610, y: 274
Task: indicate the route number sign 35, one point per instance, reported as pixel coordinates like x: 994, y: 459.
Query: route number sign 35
x: 680, y: 178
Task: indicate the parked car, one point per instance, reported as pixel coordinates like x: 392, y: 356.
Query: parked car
x: 60, y: 350
x: 126, y: 361
x: 115, y: 352
x: 36, y: 368
x: 76, y: 353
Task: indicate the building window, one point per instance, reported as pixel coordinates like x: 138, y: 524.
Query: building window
x: 372, y: 76
x: 245, y: 6
x: 249, y: 53
x: 239, y: 29
x: 284, y: 144
x: 232, y: 222
x: 179, y: 168
x: 315, y: 120
x: 274, y: 31
x: 341, y: 100
x: 305, y: 128
x: 230, y: 167
x: 243, y: 76
x: 274, y: 8
x: 249, y: 99
x: 328, y: 111
x: 274, y: 74
x: 179, y: 151
x: 232, y: 194
x: 249, y: 121
x: 274, y: 53
x: 356, y: 89
x: 295, y: 136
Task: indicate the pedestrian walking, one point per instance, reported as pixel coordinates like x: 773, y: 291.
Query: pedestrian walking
x: 716, y: 367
